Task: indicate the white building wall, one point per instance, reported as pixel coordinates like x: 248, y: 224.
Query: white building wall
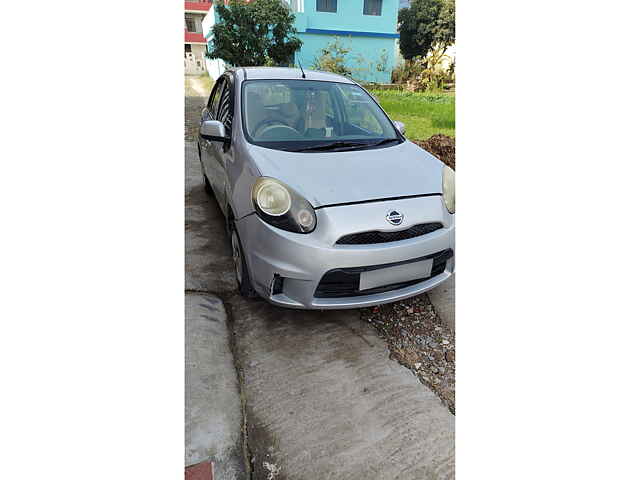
x: 194, y: 61
x: 215, y: 67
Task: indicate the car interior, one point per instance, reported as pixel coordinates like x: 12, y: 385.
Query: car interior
x: 281, y: 113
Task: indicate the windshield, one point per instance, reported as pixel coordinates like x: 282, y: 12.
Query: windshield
x: 307, y: 115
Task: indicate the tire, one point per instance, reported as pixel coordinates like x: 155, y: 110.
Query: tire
x: 240, y: 267
x: 207, y: 185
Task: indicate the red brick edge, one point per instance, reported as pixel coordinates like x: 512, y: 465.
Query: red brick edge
x: 200, y: 471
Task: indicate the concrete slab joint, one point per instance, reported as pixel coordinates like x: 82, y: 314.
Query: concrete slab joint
x: 214, y: 419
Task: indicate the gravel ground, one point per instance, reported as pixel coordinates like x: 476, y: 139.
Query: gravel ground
x: 420, y: 341
x: 416, y: 336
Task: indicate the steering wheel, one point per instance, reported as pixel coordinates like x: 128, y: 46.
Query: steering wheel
x: 283, y: 131
x: 269, y: 123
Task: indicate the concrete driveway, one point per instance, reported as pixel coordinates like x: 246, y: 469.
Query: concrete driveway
x: 286, y: 394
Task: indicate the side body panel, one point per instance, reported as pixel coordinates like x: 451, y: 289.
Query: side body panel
x: 242, y: 171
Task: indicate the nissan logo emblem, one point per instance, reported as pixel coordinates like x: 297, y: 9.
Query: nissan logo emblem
x: 394, y: 217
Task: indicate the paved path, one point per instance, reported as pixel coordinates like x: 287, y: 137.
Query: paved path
x: 322, y: 398
x: 208, y: 263
x: 195, y: 86
x: 324, y: 401
x: 443, y: 298
x: 213, y: 414
x: 213, y: 411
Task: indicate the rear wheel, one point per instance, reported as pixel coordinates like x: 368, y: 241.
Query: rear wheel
x: 240, y: 264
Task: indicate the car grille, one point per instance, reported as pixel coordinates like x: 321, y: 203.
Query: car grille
x: 367, y: 238
x: 345, y: 282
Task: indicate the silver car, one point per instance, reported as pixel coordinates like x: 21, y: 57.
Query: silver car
x: 327, y: 204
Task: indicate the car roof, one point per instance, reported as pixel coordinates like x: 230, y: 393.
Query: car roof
x: 281, y: 73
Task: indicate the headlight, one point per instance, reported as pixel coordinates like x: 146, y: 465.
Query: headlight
x: 282, y: 207
x: 272, y: 198
x: 449, y: 188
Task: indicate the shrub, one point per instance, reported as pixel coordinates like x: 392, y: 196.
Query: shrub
x: 333, y: 58
x: 430, y: 72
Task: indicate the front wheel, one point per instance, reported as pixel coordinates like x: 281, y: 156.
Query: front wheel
x: 240, y: 264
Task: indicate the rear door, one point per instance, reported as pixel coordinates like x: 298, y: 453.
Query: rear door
x: 221, y: 152
x: 206, y: 146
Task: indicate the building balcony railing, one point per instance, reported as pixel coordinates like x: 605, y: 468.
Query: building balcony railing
x: 190, y: 37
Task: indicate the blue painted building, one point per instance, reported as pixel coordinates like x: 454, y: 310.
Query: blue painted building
x: 367, y: 27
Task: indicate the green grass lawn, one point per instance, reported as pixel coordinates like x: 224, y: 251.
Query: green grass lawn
x: 424, y: 114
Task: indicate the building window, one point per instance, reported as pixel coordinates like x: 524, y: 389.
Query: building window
x: 327, y: 6
x: 296, y: 6
x: 372, y: 7
x: 187, y: 48
x: 192, y: 23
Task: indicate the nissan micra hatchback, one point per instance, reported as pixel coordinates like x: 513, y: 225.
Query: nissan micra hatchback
x: 327, y: 204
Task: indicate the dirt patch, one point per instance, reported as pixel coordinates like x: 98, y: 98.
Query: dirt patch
x: 419, y: 340
x: 441, y: 146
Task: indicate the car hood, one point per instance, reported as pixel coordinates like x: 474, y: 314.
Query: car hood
x: 327, y: 178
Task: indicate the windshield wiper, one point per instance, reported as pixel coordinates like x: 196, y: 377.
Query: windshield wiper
x: 382, y: 142
x: 331, y: 146
x: 346, y: 145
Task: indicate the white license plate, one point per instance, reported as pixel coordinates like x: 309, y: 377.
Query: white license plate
x: 397, y: 274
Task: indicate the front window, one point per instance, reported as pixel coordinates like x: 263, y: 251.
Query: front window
x: 308, y: 115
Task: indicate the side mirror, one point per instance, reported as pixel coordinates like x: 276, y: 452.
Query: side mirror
x: 213, y: 130
x: 399, y: 125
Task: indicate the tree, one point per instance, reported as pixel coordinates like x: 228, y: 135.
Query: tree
x: 425, y: 25
x: 445, y: 28
x: 257, y: 33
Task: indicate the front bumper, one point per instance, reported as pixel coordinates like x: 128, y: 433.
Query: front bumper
x: 286, y: 268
